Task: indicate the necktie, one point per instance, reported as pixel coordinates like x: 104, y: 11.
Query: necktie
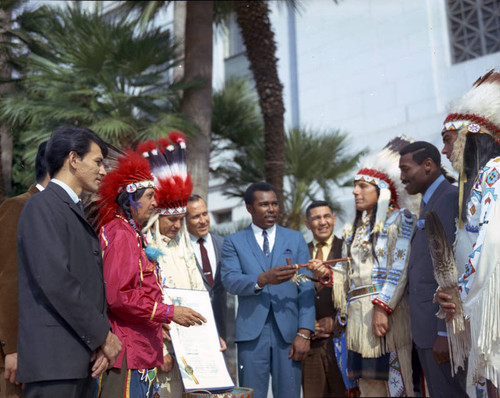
x: 422, y: 205
x: 205, y: 262
x: 265, y: 246
x: 319, y: 250
x: 80, y: 206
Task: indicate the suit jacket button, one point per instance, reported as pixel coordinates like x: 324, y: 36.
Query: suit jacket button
x: 96, y: 252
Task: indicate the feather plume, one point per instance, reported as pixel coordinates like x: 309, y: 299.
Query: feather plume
x: 446, y: 275
x: 131, y: 168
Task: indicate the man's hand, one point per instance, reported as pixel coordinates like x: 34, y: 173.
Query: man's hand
x: 101, y: 363
x: 165, y: 331
x: 168, y: 363
x: 440, y: 349
x: 300, y: 346
x: 223, y: 345
x: 185, y: 316
x: 320, y: 270
x: 380, y: 321
x: 276, y: 275
x: 111, y: 348
x: 11, y: 368
x: 323, y: 328
x: 446, y: 303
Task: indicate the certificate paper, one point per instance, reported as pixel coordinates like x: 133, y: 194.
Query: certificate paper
x: 197, y: 348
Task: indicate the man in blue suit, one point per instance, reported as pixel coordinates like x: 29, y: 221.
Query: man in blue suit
x: 275, y: 316
x: 420, y: 166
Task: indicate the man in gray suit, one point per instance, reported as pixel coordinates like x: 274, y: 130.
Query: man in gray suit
x: 420, y: 166
x: 207, y: 249
x: 63, y: 325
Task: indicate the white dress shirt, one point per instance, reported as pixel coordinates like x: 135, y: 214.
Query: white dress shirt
x: 74, y: 197
x: 209, y: 245
x: 271, y: 236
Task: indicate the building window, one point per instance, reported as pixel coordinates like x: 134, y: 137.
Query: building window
x: 223, y: 216
x: 235, y: 44
x: 474, y: 28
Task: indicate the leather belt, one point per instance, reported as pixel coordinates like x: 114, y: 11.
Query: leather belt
x: 367, y: 290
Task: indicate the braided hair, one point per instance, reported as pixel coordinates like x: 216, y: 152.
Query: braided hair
x: 126, y: 201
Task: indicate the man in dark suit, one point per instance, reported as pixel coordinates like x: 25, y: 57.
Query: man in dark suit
x: 63, y: 324
x: 420, y: 166
x: 320, y: 373
x: 10, y: 210
x: 275, y: 316
x: 207, y: 249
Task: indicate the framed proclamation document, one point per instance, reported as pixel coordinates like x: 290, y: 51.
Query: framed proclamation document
x: 197, y: 348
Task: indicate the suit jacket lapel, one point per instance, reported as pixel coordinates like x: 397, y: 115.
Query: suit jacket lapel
x: 63, y: 195
x: 262, y: 260
x: 217, y: 250
x: 278, y: 247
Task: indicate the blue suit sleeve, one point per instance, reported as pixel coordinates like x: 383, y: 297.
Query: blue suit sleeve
x: 233, y: 278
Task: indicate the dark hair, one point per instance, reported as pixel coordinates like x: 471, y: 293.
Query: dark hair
x: 422, y: 150
x: 257, y: 186
x: 194, y: 198
x: 317, y: 203
x: 41, y: 163
x: 70, y: 138
x: 357, y: 223
x: 479, y: 149
x: 123, y: 200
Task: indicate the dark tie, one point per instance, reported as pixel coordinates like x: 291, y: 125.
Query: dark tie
x: 205, y: 261
x: 265, y: 246
x: 422, y: 205
x: 80, y: 206
x: 319, y: 250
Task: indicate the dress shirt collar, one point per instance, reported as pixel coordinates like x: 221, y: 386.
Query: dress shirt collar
x: 39, y: 187
x: 195, y: 239
x: 258, y: 230
x: 430, y: 191
x: 74, y: 197
x: 328, y: 242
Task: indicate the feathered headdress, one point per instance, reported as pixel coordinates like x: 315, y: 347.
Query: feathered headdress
x: 477, y: 112
x: 167, y: 158
x: 382, y: 170
x: 131, y: 173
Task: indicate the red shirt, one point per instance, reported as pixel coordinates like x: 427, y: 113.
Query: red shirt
x: 133, y: 291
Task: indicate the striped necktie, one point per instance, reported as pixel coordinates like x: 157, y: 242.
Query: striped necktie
x: 265, y: 246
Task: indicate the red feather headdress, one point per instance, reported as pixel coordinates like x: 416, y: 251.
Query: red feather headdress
x: 167, y: 159
x: 131, y: 173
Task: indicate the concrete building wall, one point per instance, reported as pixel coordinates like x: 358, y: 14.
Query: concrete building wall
x: 373, y: 68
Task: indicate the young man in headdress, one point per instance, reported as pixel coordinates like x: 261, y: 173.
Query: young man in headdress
x: 133, y: 283
x: 471, y: 135
x: 370, y: 289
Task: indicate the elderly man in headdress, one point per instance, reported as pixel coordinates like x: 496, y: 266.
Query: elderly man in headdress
x: 471, y: 137
x: 166, y: 231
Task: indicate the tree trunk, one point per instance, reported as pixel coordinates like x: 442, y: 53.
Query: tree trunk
x: 255, y: 25
x: 5, y: 136
x: 197, y: 102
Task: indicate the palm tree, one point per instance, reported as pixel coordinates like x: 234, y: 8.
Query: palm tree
x: 316, y: 162
x: 253, y: 20
x: 196, y: 105
x: 258, y: 37
x: 87, y: 69
x: 7, y: 6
